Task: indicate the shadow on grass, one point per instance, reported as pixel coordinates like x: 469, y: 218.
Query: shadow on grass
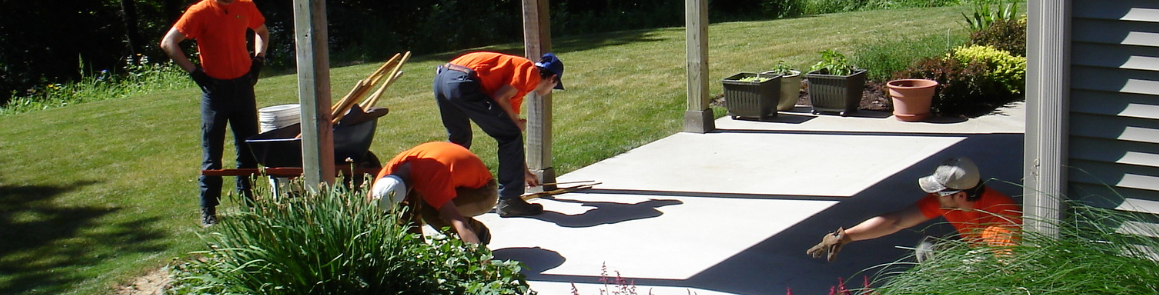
x: 43, y: 236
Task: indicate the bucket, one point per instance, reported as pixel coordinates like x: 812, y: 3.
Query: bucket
x: 279, y: 116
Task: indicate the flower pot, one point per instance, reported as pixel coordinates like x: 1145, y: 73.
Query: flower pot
x: 911, y: 98
x: 790, y: 90
x: 750, y: 98
x: 838, y: 94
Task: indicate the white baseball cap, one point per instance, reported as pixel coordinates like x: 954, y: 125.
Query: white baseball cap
x: 388, y: 191
x: 954, y: 174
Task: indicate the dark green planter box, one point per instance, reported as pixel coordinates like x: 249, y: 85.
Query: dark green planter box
x: 835, y: 94
x: 752, y: 99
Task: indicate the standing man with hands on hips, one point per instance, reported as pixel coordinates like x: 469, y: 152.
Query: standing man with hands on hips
x: 488, y: 88
x: 226, y: 76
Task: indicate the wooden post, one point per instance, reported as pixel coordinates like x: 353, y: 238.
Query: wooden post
x: 698, y: 116
x: 314, y: 92
x: 536, y: 42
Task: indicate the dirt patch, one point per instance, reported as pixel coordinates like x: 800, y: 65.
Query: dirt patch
x: 152, y: 283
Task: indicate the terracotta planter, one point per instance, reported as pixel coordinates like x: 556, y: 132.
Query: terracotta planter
x: 790, y: 90
x: 912, y: 98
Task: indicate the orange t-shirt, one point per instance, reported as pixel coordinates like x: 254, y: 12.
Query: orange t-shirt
x: 496, y: 69
x: 994, y: 209
x: 437, y: 168
x: 220, y: 31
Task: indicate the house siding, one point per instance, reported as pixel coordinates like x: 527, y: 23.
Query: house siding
x: 1113, y: 133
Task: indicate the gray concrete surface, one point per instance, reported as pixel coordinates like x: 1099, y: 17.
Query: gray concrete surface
x: 733, y: 211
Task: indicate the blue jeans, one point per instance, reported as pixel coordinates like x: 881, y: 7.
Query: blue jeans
x: 461, y: 101
x: 232, y: 102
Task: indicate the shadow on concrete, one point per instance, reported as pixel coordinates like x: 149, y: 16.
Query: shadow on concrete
x: 536, y: 260
x: 42, y: 236
x: 779, y: 263
x: 605, y: 212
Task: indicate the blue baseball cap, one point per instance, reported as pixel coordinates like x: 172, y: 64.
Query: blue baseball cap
x: 553, y: 65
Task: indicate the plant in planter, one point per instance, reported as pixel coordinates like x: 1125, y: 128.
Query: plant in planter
x: 835, y: 84
x: 752, y: 95
x: 790, y: 85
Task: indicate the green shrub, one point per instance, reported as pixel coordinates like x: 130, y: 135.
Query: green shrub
x: 337, y: 243
x: 882, y: 58
x: 1003, y: 68
x: 1006, y: 35
x: 1089, y: 256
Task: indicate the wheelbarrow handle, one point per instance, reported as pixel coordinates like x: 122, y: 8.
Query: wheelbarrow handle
x: 279, y: 171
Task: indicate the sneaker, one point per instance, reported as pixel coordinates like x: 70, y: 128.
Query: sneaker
x: 208, y: 216
x: 515, y: 207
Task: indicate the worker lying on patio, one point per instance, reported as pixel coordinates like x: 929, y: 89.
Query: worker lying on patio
x: 444, y: 183
x: 980, y: 214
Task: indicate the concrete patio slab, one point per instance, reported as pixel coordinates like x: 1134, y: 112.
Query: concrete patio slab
x: 733, y: 211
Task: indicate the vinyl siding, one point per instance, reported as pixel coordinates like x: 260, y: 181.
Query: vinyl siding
x: 1113, y: 141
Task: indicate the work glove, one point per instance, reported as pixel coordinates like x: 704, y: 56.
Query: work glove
x: 256, y: 69
x: 830, y: 244
x: 203, y: 81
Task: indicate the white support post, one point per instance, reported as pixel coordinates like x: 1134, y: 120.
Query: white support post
x: 314, y: 92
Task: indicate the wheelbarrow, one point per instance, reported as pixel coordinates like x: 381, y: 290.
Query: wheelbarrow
x: 279, y: 151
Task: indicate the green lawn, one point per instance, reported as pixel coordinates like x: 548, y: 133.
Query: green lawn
x: 95, y: 194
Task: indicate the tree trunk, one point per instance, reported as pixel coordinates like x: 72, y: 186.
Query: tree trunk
x: 132, y: 31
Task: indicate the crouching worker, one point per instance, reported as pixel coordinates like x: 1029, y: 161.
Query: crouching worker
x: 444, y: 183
x: 981, y: 215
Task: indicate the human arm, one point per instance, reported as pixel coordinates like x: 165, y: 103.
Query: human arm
x: 171, y: 45
x: 503, y: 98
x: 450, y: 214
x: 886, y: 224
x: 262, y: 40
x: 872, y: 228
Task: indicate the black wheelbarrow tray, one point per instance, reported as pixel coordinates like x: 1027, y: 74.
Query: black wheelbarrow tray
x: 280, y: 150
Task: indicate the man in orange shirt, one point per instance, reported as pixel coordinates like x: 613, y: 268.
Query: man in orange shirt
x: 226, y: 76
x: 955, y: 191
x: 488, y: 88
x: 442, y: 181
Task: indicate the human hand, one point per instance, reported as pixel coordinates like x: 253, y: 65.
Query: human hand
x: 522, y: 123
x: 256, y: 68
x: 830, y: 244
x: 202, y: 80
x: 530, y: 178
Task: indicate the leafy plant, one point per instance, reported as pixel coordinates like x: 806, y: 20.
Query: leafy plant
x: 1007, y: 35
x: 141, y: 77
x: 782, y: 68
x: 334, y: 242
x: 964, y: 90
x: 833, y: 63
x: 986, y: 13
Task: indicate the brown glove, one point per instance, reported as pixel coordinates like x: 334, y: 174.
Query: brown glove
x: 831, y: 243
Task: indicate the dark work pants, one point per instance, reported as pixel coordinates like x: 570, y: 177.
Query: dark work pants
x: 232, y: 102
x: 461, y: 101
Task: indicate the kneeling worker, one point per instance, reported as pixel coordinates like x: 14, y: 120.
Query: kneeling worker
x: 445, y: 184
x: 980, y: 214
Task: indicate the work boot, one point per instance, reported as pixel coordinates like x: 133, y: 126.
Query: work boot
x: 515, y: 207
x: 208, y: 216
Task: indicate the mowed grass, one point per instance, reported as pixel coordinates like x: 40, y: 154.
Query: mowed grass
x: 95, y: 194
